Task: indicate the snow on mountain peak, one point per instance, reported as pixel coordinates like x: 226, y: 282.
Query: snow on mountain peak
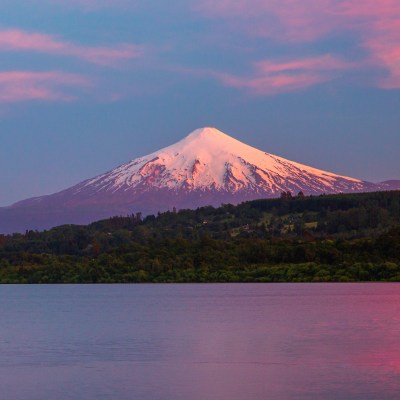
x: 209, y: 139
x: 208, y: 159
x: 207, y: 132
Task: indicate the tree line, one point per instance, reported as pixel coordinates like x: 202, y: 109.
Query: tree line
x: 346, y: 237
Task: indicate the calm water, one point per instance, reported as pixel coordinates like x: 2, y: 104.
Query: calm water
x: 200, y: 342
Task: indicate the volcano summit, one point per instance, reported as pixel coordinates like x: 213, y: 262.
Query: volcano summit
x: 207, y: 167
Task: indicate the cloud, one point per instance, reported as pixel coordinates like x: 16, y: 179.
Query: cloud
x: 270, y: 77
x: 283, y: 20
x: 386, y: 54
x: 19, y: 40
x: 19, y: 86
x: 270, y: 85
x: 373, y: 25
x: 273, y: 77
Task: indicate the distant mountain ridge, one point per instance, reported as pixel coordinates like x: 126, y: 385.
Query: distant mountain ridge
x: 207, y: 167
x: 390, y: 185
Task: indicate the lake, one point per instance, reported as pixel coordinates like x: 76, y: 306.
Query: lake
x: 200, y: 342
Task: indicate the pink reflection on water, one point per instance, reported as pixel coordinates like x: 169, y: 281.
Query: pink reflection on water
x: 200, y: 342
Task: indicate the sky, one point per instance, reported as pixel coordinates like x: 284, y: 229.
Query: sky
x: 86, y: 85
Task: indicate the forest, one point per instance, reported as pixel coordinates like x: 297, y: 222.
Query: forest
x: 294, y: 238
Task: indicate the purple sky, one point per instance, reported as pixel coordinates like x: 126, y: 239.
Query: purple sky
x: 86, y: 85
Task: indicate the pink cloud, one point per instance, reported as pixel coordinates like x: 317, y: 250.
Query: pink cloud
x: 378, y: 26
x: 18, y: 86
x: 326, y: 62
x: 375, y: 25
x: 270, y: 85
x: 283, y: 20
x: 387, y: 56
x: 19, y: 40
x: 273, y: 77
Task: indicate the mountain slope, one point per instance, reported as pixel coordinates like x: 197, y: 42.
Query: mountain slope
x: 206, y: 167
x: 390, y: 185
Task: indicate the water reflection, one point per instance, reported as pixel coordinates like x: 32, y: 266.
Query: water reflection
x: 197, y: 342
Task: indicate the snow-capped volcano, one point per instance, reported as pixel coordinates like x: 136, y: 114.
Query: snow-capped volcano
x: 207, y: 167
x: 208, y: 159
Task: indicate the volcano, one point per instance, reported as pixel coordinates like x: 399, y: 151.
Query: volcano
x: 207, y: 167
